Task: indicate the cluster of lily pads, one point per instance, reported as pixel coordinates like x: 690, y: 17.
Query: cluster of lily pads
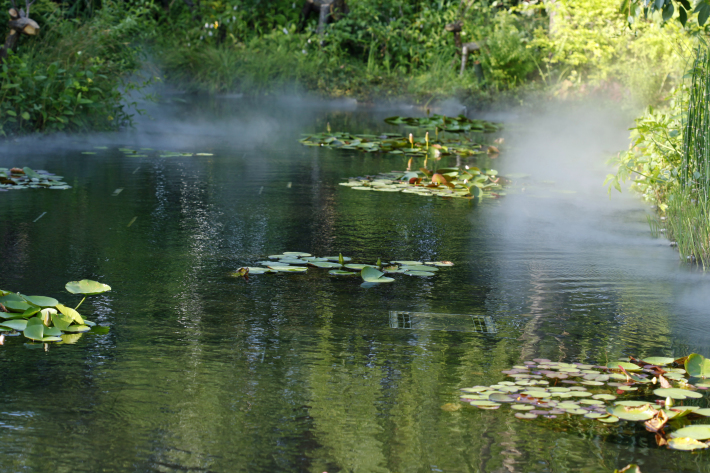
x: 298, y: 262
x: 27, y: 178
x: 458, y: 124
x: 147, y: 152
x: 452, y: 182
x: 44, y: 319
x: 656, y: 391
x: 395, y: 143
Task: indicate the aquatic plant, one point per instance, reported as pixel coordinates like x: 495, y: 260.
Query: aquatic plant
x: 650, y: 387
x: 44, y: 319
x: 395, y: 143
x: 27, y: 178
x: 298, y: 262
x: 451, y: 182
x: 459, y: 124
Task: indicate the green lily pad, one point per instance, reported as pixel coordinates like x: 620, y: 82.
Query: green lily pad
x: 703, y: 412
x: 319, y: 264
x: 289, y: 269
x: 632, y: 403
x: 78, y: 328
x: 658, y: 360
x: 522, y: 407
x: 537, y: 394
x: 632, y: 413
x: 686, y: 444
x: 627, y: 366
x: 256, y: 270
x: 34, y: 332
x: 408, y: 263
x: 17, y: 306
x: 296, y: 253
x: 52, y: 332
x: 17, y: 324
x: 604, y: 397
x: 371, y: 275
x: 41, y: 301
x: 525, y: 415
x: 697, y: 366
x: 87, y: 287
x: 499, y: 397
x: 675, y: 393
x: 419, y: 267
x: 479, y: 403
x: 61, y: 321
x: 609, y: 420
x: 338, y: 272
x: 69, y: 312
x: 697, y: 432
x: 358, y: 267
x: 336, y: 259
x: 442, y: 264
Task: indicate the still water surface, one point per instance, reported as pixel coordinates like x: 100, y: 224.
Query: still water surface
x: 203, y: 372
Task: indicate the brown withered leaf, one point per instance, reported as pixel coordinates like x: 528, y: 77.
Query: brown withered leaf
x: 2, y: 308
x: 657, y: 422
x: 664, y: 382
x: 680, y: 361
x: 631, y: 468
x: 661, y: 440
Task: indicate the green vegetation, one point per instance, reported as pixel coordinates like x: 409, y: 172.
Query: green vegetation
x: 73, y: 75
x: 669, y: 163
x: 44, y: 319
x: 565, y: 391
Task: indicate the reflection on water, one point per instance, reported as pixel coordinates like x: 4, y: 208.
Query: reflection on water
x: 203, y: 372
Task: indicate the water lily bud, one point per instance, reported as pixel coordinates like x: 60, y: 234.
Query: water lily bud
x: 411, y: 140
x: 669, y: 402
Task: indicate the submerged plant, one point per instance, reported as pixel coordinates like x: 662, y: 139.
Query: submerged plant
x: 44, y: 319
x: 655, y: 392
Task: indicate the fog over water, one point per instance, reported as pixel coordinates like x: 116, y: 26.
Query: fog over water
x: 205, y: 372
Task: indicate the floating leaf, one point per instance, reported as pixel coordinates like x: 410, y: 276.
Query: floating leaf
x: 675, y: 393
x: 697, y: 366
x: 338, y: 272
x: 87, y: 287
x: 69, y: 312
x: 697, y: 432
x: 41, y: 301
x: 371, y: 275
x: 686, y: 444
x: 319, y: 264
x: 17, y: 324
x: 658, y: 360
x: 615, y: 365
x: 632, y: 413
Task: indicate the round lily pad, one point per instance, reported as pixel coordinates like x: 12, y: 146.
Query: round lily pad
x: 632, y: 413
x: 522, y: 407
x: 703, y: 412
x: 604, y: 397
x: 525, y: 415
x: 408, y: 263
x: 475, y: 389
x: 296, y: 253
x: 442, y: 264
x: 418, y: 273
x: 675, y: 393
x: 322, y: 264
x: 289, y: 269
x: 537, y: 394
x: 257, y: 270
x: 609, y: 420
x: 484, y: 403
x: 41, y: 301
x: 87, y: 287
x: 499, y: 397
x: 371, y: 275
x: 627, y: 366
x: 697, y: 432
x: 659, y: 360
x: 359, y: 267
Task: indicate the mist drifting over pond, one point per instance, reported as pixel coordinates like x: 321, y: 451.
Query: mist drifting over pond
x: 303, y: 372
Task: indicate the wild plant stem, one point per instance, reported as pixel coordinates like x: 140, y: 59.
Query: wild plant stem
x: 75, y: 308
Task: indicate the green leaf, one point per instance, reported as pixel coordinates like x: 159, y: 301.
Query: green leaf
x: 370, y: 274
x: 685, y: 443
x: 632, y: 413
x: 696, y: 432
x: 61, y: 321
x: 697, y: 366
x: 17, y: 324
x: 41, y: 301
x: 78, y: 328
x: 87, y: 287
x: 34, y: 332
x: 627, y: 366
x: 668, y: 11
x: 682, y: 16
x: 675, y: 393
x: 69, y: 312
x: 703, y: 13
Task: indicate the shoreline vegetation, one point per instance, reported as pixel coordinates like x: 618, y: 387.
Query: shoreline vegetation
x: 76, y: 72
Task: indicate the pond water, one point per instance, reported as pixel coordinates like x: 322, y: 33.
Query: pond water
x: 205, y: 372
